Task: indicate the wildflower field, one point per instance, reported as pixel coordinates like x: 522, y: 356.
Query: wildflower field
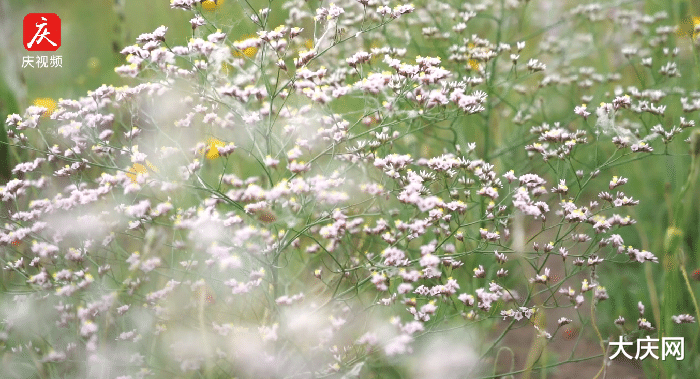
x: 351, y: 189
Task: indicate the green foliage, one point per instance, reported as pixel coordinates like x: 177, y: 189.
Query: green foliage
x: 8, y: 106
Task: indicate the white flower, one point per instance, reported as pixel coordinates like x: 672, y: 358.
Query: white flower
x: 683, y: 319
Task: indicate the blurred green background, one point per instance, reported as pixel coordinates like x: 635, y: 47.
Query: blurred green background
x: 93, y: 32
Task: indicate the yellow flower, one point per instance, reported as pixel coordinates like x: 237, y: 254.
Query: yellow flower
x: 249, y: 51
x: 138, y: 168
x: 47, y: 103
x: 212, y: 5
x: 309, y: 44
x: 213, y: 151
x: 473, y: 63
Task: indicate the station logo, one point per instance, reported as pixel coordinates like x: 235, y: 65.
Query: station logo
x: 41, y: 32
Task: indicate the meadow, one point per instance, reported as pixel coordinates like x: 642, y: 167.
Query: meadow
x: 351, y: 189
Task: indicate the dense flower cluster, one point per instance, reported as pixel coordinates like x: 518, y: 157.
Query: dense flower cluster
x: 268, y: 207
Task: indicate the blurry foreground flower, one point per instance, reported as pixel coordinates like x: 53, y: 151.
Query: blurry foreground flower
x: 46, y: 102
x: 474, y: 64
x: 203, y: 293
x: 683, y: 319
x: 94, y: 65
x: 138, y: 168
x: 246, y: 46
x: 211, y: 151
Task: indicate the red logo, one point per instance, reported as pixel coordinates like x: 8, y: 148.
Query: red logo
x: 42, y: 32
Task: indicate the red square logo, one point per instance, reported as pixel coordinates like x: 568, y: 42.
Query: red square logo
x: 41, y: 32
